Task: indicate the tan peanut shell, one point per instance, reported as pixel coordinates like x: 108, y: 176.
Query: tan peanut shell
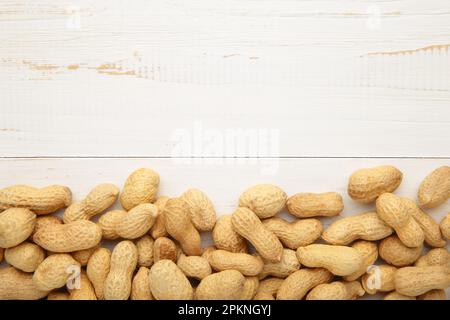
x: 366, y: 185
x: 207, y: 252
x: 307, y: 205
x: 250, y: 288
x: 164, y: 249
x: 379, y: 279
x: 294, y: 234
x: 145, y: 251
x: 226, y: 238
x: 140, y: 187
x: 137, y: 222
x: 282, y: 269
x: 159, y: 229
x: 436, y: 294
x: 435, y: 188
x: 140, y: 288
x: 108, y: 223
x: 194, y: 266
x: 98, y: 269
x: 434, y: 257
x: 168, y: 282
x: 201, y: 209
x: 43, y: 221
x: 392, y: 210
x: 98, y: 200
x: 179, y: 226
x: 16, y: 225
x: 74, y: 236
x: 224, y: 285
x: 365, y: 226
x: 1, y: 254
x: 85, y: 291
x: 268, y: 288
x: 83, y: 256
x: 58, y: 296
x: 414, y: 281
x: 247, y: 264
x: 247, y: 224
x: 25, y: 257
x: 394, y: 252
x: 18, y: 285
x: 40, y: 201
x: 265, y: 200
x: 298, y: 284
x: 445, y: 226
x: 338, y: 290
x: 430, y: 228
x: 123, y: 263
x: 339, y: 260
x: 55, y: 271
x: 369, y: 252
x: 397, y: 296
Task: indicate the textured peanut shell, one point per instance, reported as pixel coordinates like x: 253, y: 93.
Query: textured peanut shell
x: 137, y: 222
x: 140, y: 288
x: 436, y: 294
x: 397, y: 296
x: 365, y: 226
x: 207, y: 252
x: 392, y: 210
x: 247, y: 224
x: 54, y: 271
x: 40, y: 201
x: 194, y: 266
x: 179, y: 226
x: 379, y: 279
x: 201, y: 209
x: 168, y: 282
x: 250, y: 288
x: 123, y: 263
x: 145, y: 251
x: 16, y: 225
x: 338, y: 290
x: 414, y: 281
x: 25, y: 257
x: 108, y: 223
x: 394, y: 252
x: 282, y: 269
x: 369, y: 252
x: 224, y: 285
x: 248, y: 265
x: 294, y: 234
x: 366, y: 185
x: 226, y: 238
x: 297, y: 285
x: 159, y: 229
x: 58, y: 296
x: 75, y: 236
x: 18, y: 285
x: 339, y: 260
x: 86, y: 290
x: 140, y: 187
x: 83, y: 256
x: 164, y: 249
x: 268, y: 288
x: 435, y: 188
x: 265, y: 200
x: 445, y: 226
x: 435, y: 257
x: 307, y: 205
x: 98, y: 269
x: 98, y: 200
x: 43, y: 221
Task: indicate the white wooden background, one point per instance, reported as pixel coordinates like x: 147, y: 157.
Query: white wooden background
x: 91, y: 90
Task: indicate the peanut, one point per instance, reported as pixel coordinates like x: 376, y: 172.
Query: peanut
x: 140, y: 288
x: 414, y: 281
x: 397, y: 296
x: 201, y: 209
x: 392, y: 210
x: 18, y: 285
x: 265, y: 200
x: 295, y: 234
x: 268, y: 288
x: 194, y: 266
x: 247, y: 224
x: 307, y: 205
x: 1, y: 254
x: 85, y: 291
x: 366, y: 185
x: 297, y: 285
x: 224, y: 285
x: 445, y: 226
x: 435, y: 188
x: 145, y: 251
x: 108, y: 223
x: 97, y: 270
x: 40, y: 201
x: 98, y: 200
x: 137, y: 222
x: 16, y: 225
x: 435, y: 257
x: 339, y: 260
x: 251, y: 285
x: 141, y: 187
x: 436, y: 294
x: 25, y: 257
x: 207, y: 253
x: 55, y: 271
x: 74, y: 236
x: 164, y: 249
x: 394, y: 252
x: 43, y: 221
x: 379, y: 279
x: 288, y: 264
x: 226, y: 238
x: 159, y: 229
x: 246, y: 264
x: 83, y: 256
x: 179, y: 226
x: 366, y: 226
x: 338, y: 290
x: 168, y: 282
x: 369, y: 252
x: 123, y: 263
x: 58, y: 296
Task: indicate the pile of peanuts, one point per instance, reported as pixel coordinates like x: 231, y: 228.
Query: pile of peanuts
x: 158, y: 252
